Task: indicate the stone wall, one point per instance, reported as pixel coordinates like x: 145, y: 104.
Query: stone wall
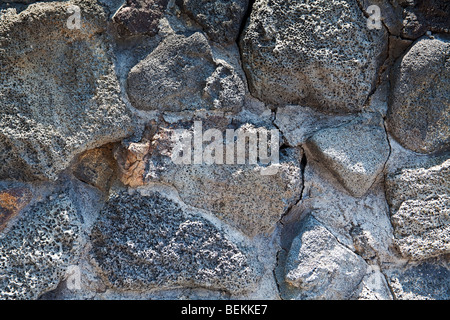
x: 95, y: 93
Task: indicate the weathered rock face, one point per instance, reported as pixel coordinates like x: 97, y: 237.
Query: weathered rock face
x: 299, y: 123
x: 221, y: 20
x: 182, y: 74
x: 361, y: 224
x: 96, y: 167
x: 425, y: 15
x: 426, y: 281
x: 315, y: 53
x: 144, y: 242
x: 193, y: 149
x: 140, y: 17
x: 419, y: 107
x: 321, y: 268
x: 36, y: 251
x: 248, y: 196
x: 354, y: 164
x: 419, y: 200
x: 60, y: 96
x: 12, y: 201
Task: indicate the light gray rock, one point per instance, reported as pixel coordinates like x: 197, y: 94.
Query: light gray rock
x: 59, y: 95
x: 361, y: 224
x: 247, y: 196
x: 37, y: 250
x: 419, y: 200
x: 183, y: 74
x: 144, y: 242
x: 373, y: 286
x: 355, y: 152
x: 299, y: 123
x: 221, y: 20
x: 319, y: 267
x: 317, y: 53
x: 419, y: 104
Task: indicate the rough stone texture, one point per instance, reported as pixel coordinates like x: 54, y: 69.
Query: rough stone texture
x: 146, y: 242
x: 356, y: 208
x: 419, y: 107
x: 243, y: 195
x: 373, y: 286
x: 12, y: 201
x: 426, y: 281
x: 319, y: 267
x: 317, y: 53
x: 36, y: 251
x: 137, y: 17
x: 421, y: 16
x: 361, y: 224
x: 181, y: 74
x: 355, y: 164
x: 96, y: 167
x: 221, y: 20
x: 419, y: 200
x: 18, y: 1
x: 391, y: 14
x: 58, y: 96
x: 299, y: 123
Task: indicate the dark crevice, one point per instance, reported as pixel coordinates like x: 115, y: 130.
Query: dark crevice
x: 245, y: 19
x: 391, y: 290
x: 289, y: 224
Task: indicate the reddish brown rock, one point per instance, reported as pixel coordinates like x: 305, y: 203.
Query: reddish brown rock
x: 11, y: 202
x: 139, y: 17
x: 132, y: 158
x: 96, y: 167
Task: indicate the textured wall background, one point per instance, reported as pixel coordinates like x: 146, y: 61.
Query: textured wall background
x: 93, y: 92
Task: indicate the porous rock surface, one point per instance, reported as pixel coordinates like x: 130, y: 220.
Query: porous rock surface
x: 37, y: 250
x: 247, y: 196
x: 419, y: 199
x: 108, y: 191
x: 318, y: 53
x: 419, y: 108
x: 221, y: 20
x: 138, y: 17
x: 158, y: 82
x: 59, y: 95
x: 149, y: 241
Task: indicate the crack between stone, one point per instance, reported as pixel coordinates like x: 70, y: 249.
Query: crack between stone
x: 394, y: 297
x: 303, y: 164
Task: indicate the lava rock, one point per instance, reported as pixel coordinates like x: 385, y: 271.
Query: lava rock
x: 419, y: 104
x: 221, y: 20
x: 182, y: 74
x: 59, y: 94
x: 143, y: 242
x: 138, y: 17
x: 316, y: 53
x: 36, y: 252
